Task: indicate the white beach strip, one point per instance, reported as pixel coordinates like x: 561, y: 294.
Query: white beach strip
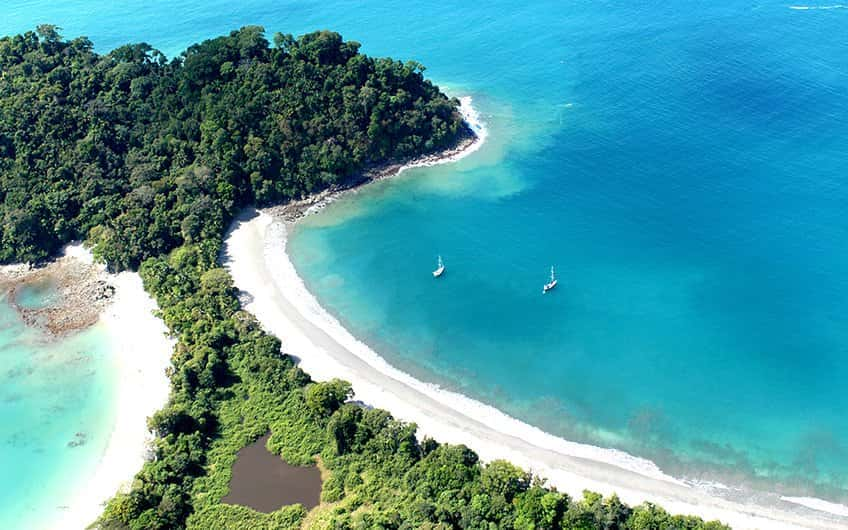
x: 142, y: 352
x: 255, y: 255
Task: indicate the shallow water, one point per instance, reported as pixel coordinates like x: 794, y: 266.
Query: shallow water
x: 681, y: 164
x: 36, y: 295
x: 55, y: 417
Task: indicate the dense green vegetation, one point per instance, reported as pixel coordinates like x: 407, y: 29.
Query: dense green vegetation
x: 149, y: 159
x: 140, y: 154
x: 231, y: 385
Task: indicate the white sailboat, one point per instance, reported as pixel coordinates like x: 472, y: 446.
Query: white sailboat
x: 551, y: 284
x: 440, y: 269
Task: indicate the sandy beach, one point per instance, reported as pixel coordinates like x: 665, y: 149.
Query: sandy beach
x: 142, y: 353
x: 255, y: 254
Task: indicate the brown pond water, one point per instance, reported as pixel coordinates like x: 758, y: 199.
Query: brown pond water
x: 265, y: 482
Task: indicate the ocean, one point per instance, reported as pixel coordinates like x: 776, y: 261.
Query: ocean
x: 682, y: 165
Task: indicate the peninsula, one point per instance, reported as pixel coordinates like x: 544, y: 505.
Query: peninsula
x: 149, y: 160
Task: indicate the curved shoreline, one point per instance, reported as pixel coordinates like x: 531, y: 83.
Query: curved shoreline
x: 467, y: 144
x: 255, y: 254
x: 256, y: 258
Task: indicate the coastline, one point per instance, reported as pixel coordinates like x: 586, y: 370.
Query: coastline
x: 474, y: 138
x: 256, y: 257
x: 140, y: 352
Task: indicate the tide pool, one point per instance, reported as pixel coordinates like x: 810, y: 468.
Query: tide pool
x: 683, y: 165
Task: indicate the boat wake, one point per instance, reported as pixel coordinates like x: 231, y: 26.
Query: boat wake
x: 822, y: 8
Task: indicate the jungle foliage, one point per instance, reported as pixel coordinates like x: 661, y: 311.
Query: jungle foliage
x: 140, y: 154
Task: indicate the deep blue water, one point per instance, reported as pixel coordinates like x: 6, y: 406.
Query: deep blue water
x: 682, y: 164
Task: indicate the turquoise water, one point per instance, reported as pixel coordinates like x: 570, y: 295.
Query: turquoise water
x: 56, y: 415
x: 682, y: 164
x: 684, y: 169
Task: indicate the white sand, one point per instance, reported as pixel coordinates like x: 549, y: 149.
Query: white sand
x: 142, y: 354
x: 255, y: 255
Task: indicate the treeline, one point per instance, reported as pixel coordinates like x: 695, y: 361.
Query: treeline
x: 231, y: 385
x: 140, y: 154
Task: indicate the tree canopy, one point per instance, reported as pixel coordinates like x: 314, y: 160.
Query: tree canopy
x: 140, y: 154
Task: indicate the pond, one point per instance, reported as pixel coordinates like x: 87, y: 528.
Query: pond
x: 265, y: 482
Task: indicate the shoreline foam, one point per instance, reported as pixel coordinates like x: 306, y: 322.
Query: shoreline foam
x: 141, y: 352
x: 255, y: 255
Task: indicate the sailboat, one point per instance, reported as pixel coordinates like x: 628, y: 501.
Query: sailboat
x: 440, y: 269
x: 551, y: 284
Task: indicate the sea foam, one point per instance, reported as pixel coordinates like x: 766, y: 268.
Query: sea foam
x: 809, y: 8
x: 819, y: 505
